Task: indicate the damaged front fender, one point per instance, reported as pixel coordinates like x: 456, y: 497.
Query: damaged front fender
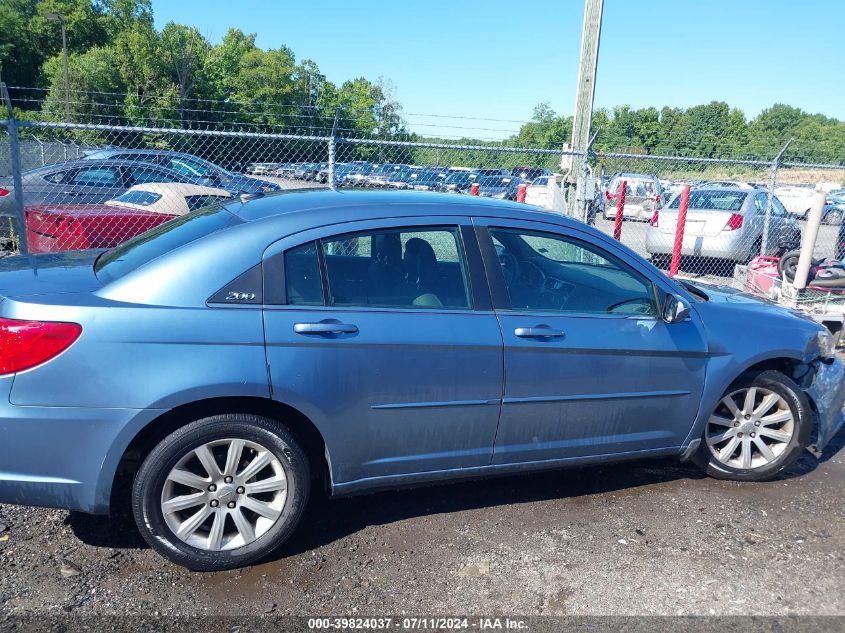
x: 827, y: 392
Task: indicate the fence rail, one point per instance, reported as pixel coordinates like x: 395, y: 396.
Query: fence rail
x: 103, y: 184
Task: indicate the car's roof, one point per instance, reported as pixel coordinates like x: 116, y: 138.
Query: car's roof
x: 325, y: 206
x: 102, y: 162
x: 111, y: 151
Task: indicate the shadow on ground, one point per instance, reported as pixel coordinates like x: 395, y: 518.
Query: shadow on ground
x: 327, y: 520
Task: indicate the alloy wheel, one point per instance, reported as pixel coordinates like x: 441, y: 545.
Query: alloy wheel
x: 750, y: 428
x: 224, y: 494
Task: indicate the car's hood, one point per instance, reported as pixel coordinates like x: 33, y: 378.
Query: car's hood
x: 747, y: 305
x: 49, y: 273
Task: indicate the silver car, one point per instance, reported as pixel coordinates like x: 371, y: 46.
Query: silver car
x: 643, y: 195
x: 722, y: 222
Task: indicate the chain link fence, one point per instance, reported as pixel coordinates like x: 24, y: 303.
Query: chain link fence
x: 86, y: 185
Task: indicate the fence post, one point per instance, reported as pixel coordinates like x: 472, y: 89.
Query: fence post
x: 620, y: 211
x: 678, y: 246
x: 764, y: 245
x: 332, y: 149
x: 15, y: 160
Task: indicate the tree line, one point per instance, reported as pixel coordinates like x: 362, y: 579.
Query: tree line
x: 124, y: 71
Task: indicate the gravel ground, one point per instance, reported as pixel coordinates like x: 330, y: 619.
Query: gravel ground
x: 651, y: 537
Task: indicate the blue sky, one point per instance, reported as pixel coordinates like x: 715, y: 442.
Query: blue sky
x: 497, y: 59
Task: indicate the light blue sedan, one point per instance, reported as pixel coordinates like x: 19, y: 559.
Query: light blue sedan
x: 226, y: 363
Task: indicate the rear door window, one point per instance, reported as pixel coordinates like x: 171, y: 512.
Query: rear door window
x: 97, y: 177
x: 403, y: 268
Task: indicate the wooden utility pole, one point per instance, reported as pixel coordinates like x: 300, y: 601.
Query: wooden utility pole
x: 590, y: 35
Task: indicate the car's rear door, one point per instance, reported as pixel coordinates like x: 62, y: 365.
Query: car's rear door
x: 589, y: 368
x: 383, y: 335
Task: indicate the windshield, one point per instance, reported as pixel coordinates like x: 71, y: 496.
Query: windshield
x: 164, y: 238
x: 723, y: 200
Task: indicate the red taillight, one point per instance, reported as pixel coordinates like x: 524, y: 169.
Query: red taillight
x: 656, y: 199
x: 654, y: 218
x: 734, y: 222
x: 25, y: 344
x: 4, y: 192
x: 608, y: 195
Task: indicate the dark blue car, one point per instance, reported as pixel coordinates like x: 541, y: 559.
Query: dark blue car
x: 198, y: 169
x: 232, y: 360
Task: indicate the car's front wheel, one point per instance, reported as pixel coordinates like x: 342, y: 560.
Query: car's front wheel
x: 221, y: 492
x: 758, y: 428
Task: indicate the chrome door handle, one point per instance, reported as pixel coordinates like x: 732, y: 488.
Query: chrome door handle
x: 324, y: 328
x: 539, y: 331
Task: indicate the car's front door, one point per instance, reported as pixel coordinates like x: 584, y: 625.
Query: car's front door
x: 384, y: 336
x: 590, y: 368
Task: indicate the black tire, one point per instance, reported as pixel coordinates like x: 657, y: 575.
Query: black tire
x: 151, y: 477
x: 802, y: 413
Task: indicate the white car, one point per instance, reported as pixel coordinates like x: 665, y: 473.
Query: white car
x: 168, y: 198
x: 797, y: 200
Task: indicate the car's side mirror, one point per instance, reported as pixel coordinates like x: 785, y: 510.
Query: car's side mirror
x: 675, y: 309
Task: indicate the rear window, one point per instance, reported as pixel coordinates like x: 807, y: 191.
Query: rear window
x: 143, y: 198
x: 167, y: 237
x: 721, y: 200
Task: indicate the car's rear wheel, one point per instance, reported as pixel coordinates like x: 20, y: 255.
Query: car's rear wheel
x: 221, y: 492
x: 758, y: 428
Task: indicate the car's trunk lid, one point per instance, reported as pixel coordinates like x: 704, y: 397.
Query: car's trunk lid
x: 53, y: 273
x: 700, y: 222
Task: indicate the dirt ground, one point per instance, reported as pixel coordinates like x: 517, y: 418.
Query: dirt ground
x: 652, y: 537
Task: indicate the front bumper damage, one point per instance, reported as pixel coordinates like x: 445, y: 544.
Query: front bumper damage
x: 828, y: 394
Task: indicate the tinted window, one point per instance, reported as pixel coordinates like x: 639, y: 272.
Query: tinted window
x: 56, y: 176
x: 404, y: 268
x: 96, y: 177
x: 552, y: 273
x: 143, y: 174
x: 188, y: 167
x: 198, y: 202
x: 777, y: 207
x: 144, y: 248
x: 144, y: 198
x: 302, y: 276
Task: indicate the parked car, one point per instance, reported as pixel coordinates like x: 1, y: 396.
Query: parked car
x: 85, y: 181
x: 643, y: 195
x: 724, y: 222
x: 424, y: 180
x: 457, y: 182
x: 62, y: 227
x: 797, y: 200
x: 223, y: 389
x: 502, y: 187
x: 529, y: 173
x: 203, y: 171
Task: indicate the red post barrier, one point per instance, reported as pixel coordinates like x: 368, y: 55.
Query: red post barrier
x: 679, y: 233
x: 520, y: 193
x: 473, y: 189
x: 620, y: 211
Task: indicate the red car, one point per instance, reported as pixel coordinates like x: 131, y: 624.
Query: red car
x: 68, y: 227
x: 52, y: 228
